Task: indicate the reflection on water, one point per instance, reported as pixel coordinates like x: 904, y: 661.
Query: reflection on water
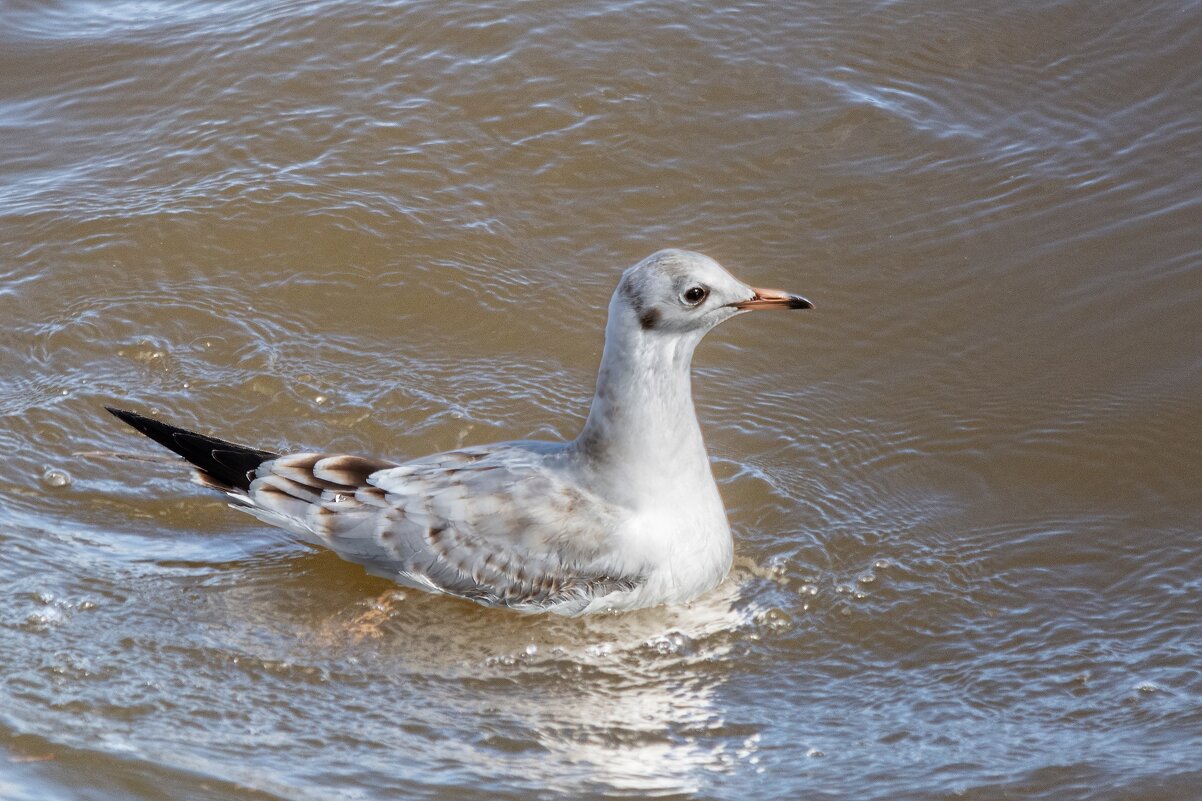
x: 625, y: 702
x: 964, y: 490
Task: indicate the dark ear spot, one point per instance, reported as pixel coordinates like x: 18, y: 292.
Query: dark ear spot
x: 631, y: 296
x: 649, y: 319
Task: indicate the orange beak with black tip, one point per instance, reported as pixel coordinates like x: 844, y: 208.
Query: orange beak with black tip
x: 772, y: 299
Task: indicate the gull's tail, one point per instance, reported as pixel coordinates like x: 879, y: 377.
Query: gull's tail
x: 222, y: 465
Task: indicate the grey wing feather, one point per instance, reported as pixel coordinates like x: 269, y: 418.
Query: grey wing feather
x: 495, y: 526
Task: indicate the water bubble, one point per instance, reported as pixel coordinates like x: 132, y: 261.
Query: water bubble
x: 775, y: 620
x: 668, y: 644
x: 56, y: 478
x: 51, y: 612
x: 531, y: 649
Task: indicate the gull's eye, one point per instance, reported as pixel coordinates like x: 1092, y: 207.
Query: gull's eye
x: 695, y: 294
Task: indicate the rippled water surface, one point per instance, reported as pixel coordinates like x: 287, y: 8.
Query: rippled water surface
x: 965, y: 489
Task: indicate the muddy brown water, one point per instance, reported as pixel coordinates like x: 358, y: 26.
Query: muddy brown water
x: 965, y: 489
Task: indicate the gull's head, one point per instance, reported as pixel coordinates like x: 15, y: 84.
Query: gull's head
x: 682, y: 292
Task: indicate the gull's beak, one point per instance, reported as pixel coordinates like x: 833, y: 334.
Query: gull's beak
x: 772, y: 299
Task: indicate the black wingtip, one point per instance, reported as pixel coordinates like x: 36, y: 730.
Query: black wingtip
x: 226, y: 463
x: 124, y: 415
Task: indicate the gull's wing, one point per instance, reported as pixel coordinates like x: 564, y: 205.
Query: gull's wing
x: 498, y: 525
x: 502, y: 525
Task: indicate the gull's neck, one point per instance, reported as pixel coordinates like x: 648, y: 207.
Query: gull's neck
x: 642, y: 430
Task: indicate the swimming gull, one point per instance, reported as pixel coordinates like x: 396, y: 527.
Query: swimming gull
x: 626, y: 515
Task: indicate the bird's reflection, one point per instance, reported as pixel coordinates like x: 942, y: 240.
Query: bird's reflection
x: 628, y: 703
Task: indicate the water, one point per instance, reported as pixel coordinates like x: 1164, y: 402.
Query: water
x: 965, y: 489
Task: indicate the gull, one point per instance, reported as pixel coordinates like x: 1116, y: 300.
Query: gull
x: 624, y: 516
